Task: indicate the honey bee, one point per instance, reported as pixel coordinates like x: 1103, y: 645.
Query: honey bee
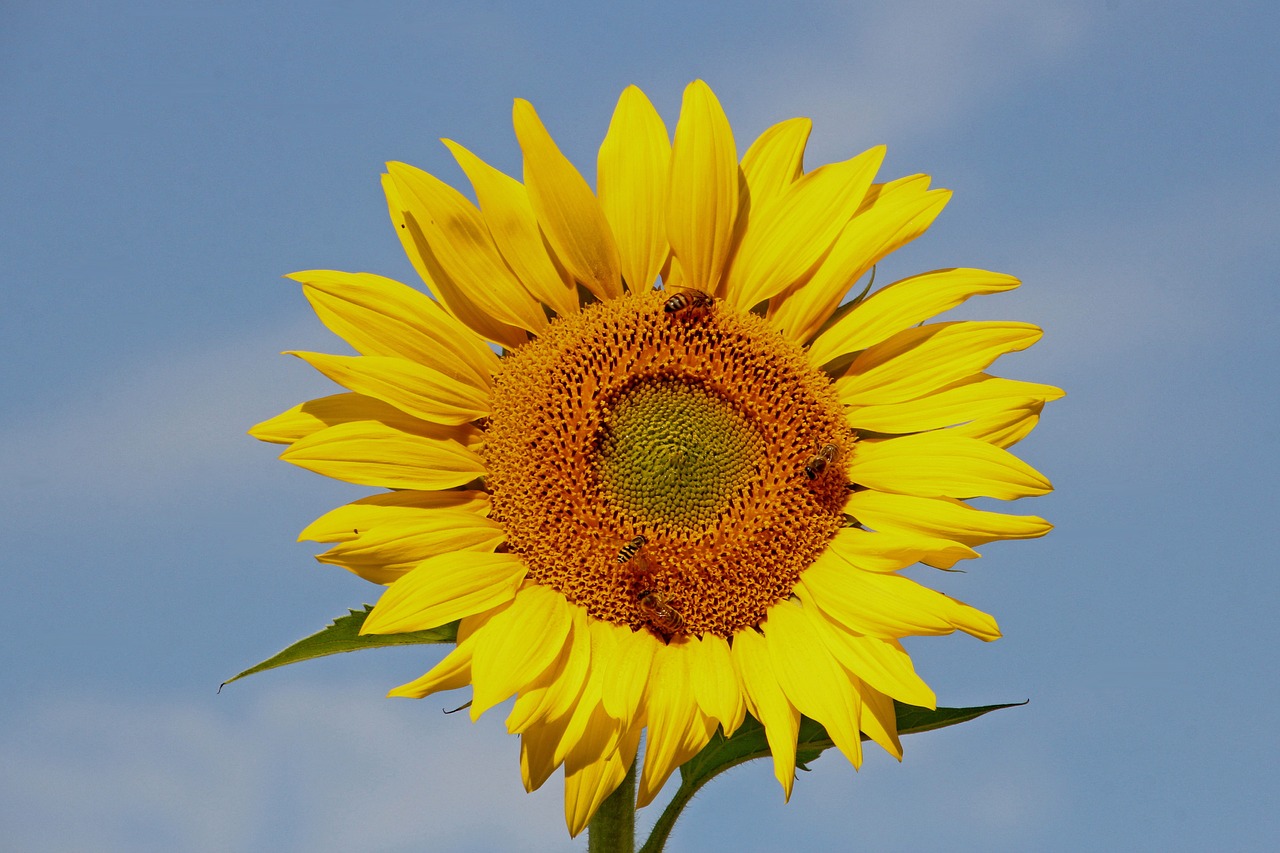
x: 631, y: 549
x: 660, y: 614
x: 694, y: 303
x: 815, y: 466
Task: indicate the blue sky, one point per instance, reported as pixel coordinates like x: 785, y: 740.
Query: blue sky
x: 167, y: 163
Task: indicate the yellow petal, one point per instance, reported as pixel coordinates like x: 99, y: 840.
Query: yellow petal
x: 517, y: 645
x: 568, y: 212
x: 603, y: 647
x: 415, y: 389
x: 505, y: 206
x: 944, y: 465
x: 460, y: 304
x: 1002, y: 429
x: 715, y: 687
x: 352, y: 520
x: 883, y: 664
x: 889, y: 551
x: 775, y: 160
x: 554, y: 695
x: 445, y: 588
x: 968, y: 400
x: 767, y: 703
x: 592, y: 733
x: 378, y: 316
x: 886, y: 605
x: 369, y: 453
x: 920, y: 360
x: 786, y: 237
x: 314, y: 415
x: 702, y: 194
x: 944, y: 518
x: 571, y: 683
x: 452, y: 673
x: 537, y: 750
x: 623, y: 692
x: 586, y: 787
x: 389, y: 550
x: 880, y: 720
x: 678, y: 730
x: 460, y: 243
x: 631, y: 178
x: 892, y: 215
x: 903, y: 304
x: 813, y: 681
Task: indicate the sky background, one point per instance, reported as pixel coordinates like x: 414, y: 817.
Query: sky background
x: 166, y: 163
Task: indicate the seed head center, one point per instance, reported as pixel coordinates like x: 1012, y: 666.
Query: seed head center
x: 650, y: 464
x: 673, y: 455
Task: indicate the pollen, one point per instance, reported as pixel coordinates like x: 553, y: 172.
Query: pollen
x: 690, y: 430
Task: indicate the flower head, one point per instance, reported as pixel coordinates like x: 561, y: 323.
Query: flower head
x: 660, y: 510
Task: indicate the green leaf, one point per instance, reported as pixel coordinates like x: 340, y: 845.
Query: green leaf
x: 749, y: 742
x: 343, y: 635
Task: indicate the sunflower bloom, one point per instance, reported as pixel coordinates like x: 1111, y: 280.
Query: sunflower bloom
x: 658, y: 510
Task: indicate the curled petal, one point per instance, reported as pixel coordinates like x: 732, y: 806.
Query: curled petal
x: 408, y: 218
x: 944, y: 518
x: 314, y: 415
x: 901, y: 305
x: 568, y: 212
x: 379, y: 316
x: 973, y: 399
x: 889, y: 551
x: 678, y: 729
x: 518, y: 645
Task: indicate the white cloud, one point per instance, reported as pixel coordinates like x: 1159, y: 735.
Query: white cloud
x: 907, y: 68
x: 150, y: 429
x: 316, y: 768
x: 305, y: 768
x: 1161, y: 285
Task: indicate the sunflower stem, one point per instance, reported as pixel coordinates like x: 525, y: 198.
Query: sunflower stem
x: 667, y: 820
x: 613, y: 827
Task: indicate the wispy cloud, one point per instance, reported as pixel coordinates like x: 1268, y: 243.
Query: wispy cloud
x: 907, y: 68
x: 151, y: 428
x: 334, y: 768
x: 304, y: 769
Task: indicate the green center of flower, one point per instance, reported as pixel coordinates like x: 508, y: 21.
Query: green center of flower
x: 673, y: 455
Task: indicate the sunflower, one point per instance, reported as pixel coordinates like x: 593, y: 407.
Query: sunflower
x: 664, y: 509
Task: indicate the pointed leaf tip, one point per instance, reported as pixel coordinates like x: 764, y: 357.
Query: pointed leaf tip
x: 343, y: 635
x: 749, y: 742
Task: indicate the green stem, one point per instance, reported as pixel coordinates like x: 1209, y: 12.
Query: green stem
x: 613, y: 827
x: 667, y: 820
